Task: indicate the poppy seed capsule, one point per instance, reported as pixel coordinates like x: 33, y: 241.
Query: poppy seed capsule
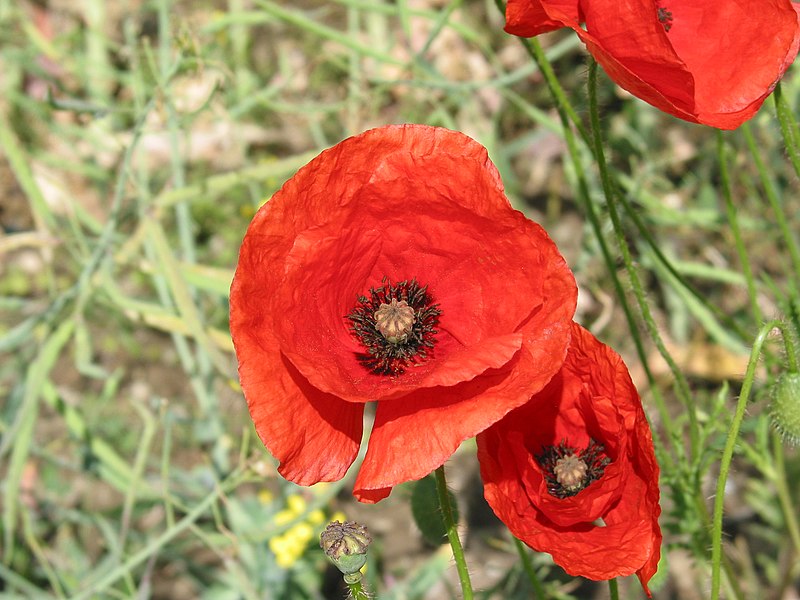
x: 570, y: 472
x: 394, y: 321
x: 346, y: 545
x: 785, y: 407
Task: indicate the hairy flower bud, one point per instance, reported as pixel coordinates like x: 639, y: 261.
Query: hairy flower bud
x: 785, y: 406
x: 346, y: 545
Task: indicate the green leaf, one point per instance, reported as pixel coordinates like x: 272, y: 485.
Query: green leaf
x: 427, y: 513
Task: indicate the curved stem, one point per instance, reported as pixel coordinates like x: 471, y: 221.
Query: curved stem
x: 452, y: 534
x: 727, y: 455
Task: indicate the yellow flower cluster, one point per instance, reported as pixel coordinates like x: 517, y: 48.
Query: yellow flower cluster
x: 290, y: 545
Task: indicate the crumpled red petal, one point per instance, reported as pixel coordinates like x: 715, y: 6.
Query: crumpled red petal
x: 715, y: 65
x: 591, y: 397
x: 394, y: 203
x: 314, y: 435
x: 529, y: 18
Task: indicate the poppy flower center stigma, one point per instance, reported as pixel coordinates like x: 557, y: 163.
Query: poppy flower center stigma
x: 394, y: 321
x: 568, y: 471
x: 396, y: 325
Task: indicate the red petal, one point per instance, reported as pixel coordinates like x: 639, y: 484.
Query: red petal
x: 315, y: 436
x: 630, y: 540
x: 708, y: 67
x: 399, y: 202
x: 715, y: 65
x: 527, y: 18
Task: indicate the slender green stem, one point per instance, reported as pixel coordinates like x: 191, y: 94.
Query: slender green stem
x: 613, y: 589
x: 701, y: 548
x: 789, y: 128
x: 452, y: 533
x: 633, y: 275
x: 774, y: 200
x: 727, y: 455
x: 791, y: 353
x: 527, y: 564
x: 733, y: 221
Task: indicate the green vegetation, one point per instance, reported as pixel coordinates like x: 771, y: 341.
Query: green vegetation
x: 139, y: 138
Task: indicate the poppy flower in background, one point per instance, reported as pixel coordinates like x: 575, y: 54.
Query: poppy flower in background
x: 705, y: 61
x: 392, y: 268
x: 573, y: 472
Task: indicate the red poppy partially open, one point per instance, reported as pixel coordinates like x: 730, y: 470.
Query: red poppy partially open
x: 705, y: 61
x: 573, y: 471
x: 392, y: 268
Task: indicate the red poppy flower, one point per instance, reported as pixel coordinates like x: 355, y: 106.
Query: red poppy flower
x: 573, y: 471
x: 705, y: 61
x: 392, y: 268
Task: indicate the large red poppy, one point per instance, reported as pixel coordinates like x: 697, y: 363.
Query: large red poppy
x: 573, y: 471
x: 392, y: 268
x: 705, y: 61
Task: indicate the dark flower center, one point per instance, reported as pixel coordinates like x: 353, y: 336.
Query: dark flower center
x: 568, y: 471
x: 396, y: 324
x: 665, y: 18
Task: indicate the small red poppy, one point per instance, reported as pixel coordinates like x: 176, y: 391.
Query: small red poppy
x: 573, y: 471
x: 392, y: 268
x: 706, y: 61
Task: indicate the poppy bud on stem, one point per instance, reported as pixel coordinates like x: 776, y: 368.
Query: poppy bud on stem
x: 346, y: 545
x: 785, y: 407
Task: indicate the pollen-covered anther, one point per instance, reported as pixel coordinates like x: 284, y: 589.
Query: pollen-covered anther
x: 570, y: 472
x: 395, y: 321
x: 665, y: 18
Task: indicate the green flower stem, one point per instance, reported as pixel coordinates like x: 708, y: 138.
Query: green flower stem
x: 727, y: 454
x: 613, y: 589
x: 788, y: 344
x: 700, y: 547
x: 733, y: 221
x: 789, y: 128
x: 638, y: 290
x: 452, y: 534
x: 527, y: 564
x: 357, y: 591
x: 775, y: 202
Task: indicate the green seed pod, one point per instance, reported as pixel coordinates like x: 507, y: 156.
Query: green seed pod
x: 346, y: 545
x: 785, y: 406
